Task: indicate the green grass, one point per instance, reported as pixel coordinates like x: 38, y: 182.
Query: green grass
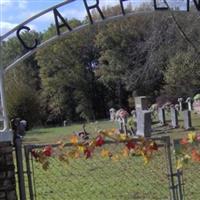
x: 52, y: 135
x: 100, y: 178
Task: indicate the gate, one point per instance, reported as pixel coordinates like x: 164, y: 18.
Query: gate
x: 103, y: 178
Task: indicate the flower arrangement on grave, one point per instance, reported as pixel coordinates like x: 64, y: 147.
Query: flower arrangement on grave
x: 186, y: 149
x: 196, y: 103
x: 86, y: 149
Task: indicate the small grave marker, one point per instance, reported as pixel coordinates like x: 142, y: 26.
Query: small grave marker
x: 174, y: 117
x: 161, y: 116
x: 112, y: 114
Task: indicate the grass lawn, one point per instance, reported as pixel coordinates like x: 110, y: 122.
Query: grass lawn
x: 101, y: 178
x: 52, y: 135
x: 104, y: 179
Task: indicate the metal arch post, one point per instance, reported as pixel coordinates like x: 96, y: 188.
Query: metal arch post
x: 3, y: 103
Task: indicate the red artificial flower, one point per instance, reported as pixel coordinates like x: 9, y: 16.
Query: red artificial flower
x: 87, y: 153
x: 153, y: 146
x: 99, y: 141
x: 195, y: 155
x: 47, y: 151
x: 130, y: 145
x: 34, y: 153
x: 184, y: 141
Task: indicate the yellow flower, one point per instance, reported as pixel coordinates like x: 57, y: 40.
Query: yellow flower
x: 179, y: 164
x: 113, y: 130
x: 145, y: 157
x: 105, y: 153
x: 81, y: 148
x: 186, y: 157
x: 122, y: 137
x: 125, y: 152
x: 191, y: 137
x: 115, y: 157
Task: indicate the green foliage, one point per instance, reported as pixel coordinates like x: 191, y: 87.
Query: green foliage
x: 183, y: 75
x: 23, y: 103
x: 22, y: 83
x: 81, y: 76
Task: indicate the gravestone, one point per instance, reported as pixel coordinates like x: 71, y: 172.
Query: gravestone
x: 134, y: 115
x: 112, y: 112
x: 141, y: 103
x: 65, y: 123
x: 176, y: 106
x: 143, y: 116
x: 180, y: 101
x: 122, y: 116
x: 144, y: 123
x: 187, y: 119
x: 161, y: 116
x: 174, y: 117
x: 189, y: 102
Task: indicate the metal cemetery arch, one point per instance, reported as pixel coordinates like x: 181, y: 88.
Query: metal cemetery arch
x: 63, y: 23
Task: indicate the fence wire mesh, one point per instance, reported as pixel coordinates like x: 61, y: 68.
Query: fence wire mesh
x: 102, y: 178
x: 191, y: 181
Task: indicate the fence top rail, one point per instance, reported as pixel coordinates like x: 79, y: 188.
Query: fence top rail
x: 68, y: 144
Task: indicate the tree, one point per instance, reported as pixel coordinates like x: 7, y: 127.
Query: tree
x: 69, y: 88
x: 22, y: 82
x: 183, y: 75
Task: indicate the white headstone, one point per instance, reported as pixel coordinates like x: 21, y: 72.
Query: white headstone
x: 122, y: 116
x: 112, y: 114
x: 180, y: 101
x: 144, y: 123
x: 189, y: 101
x: 174, y: 117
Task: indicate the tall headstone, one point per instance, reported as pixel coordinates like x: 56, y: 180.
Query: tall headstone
x: 141, y: 103
x: 144, y: 123
x: 176, y: 106
x: 180, y: 101
x: 187, y: 119
x: 174, y: 117
x: 161, y: 116
x: 112, y: 114
x: 143, y: 116
x: 189, y: 102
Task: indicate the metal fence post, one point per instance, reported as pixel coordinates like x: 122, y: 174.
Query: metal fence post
x: 20, y: 170
x: 29, y: 174
x: 180, y: 183
x: 173, y: 193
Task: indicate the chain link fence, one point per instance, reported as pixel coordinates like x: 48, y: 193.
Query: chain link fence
x: 189, y: 174
x: 191, y: 181
x: 100, y: 178
x: 115, y: 177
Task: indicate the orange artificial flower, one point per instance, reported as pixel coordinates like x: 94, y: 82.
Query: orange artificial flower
x: 74, y: 140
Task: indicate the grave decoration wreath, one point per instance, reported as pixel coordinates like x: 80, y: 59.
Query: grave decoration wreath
x: 86, y: 149
x: 186, y: 149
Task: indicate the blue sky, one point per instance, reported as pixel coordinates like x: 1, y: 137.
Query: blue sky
x: 14, y: 12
